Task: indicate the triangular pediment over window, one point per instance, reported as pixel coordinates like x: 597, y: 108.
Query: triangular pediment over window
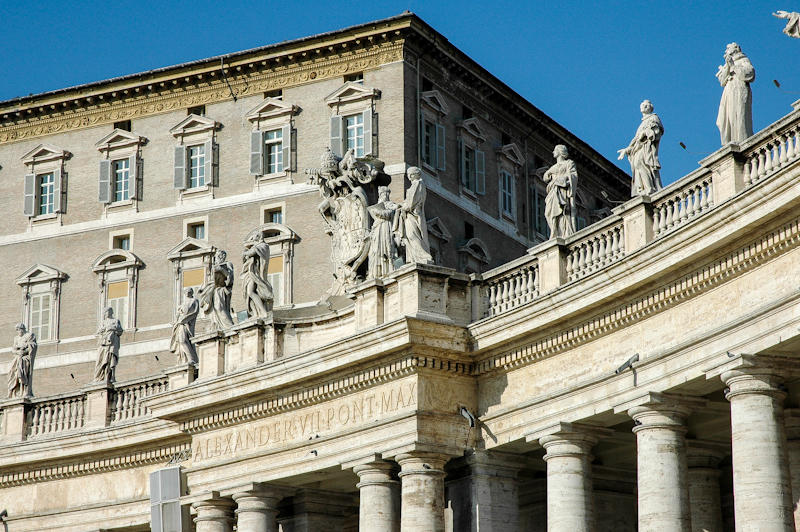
x: 473, y: 128
x: 351, y: 92
x: 114, y: 259
x: 44, y: 152
x: 435, y: 101
x: 119, y: 138
x: 512, y: 153
x: 40, y: 273
x: 190, y: 247
x: 437, y: 229
x: 194, y: 124
x: 271, y: 108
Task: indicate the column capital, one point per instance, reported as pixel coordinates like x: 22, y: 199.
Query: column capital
x: 569, y: 439
x: 378, y: 473
x: 732, y: 366
x: 659, y: 410
x: 420, y: 462
x: 215, y: 509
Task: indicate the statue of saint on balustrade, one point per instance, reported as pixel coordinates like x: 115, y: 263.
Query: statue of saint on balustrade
x: 735, y: 117
x: 559, y: 204
x: 256, y: 289
x: 108, y: 347
x: 215, y: 296
x: 20, y: 375
x: 183, y: 330
x: 642, y: 153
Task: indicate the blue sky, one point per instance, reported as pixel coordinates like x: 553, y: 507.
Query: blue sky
x: 586, y: 64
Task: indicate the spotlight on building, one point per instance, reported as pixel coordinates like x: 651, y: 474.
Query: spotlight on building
x: 467, y: 414
x: 628, y: 364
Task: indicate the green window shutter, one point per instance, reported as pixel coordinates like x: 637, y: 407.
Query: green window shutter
x: 336, y: 135
x: 179, y: 175
x: 57, y: 203
x: 480, y: 172
x: 257, y: 153
x: 286, y: 146
x: 367, y: 116
x: 29, y: 204
x: 440, y: 148
x: 104, y: 183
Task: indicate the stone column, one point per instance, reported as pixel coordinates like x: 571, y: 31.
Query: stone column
x: 761, y: 487
x: 379, y: 497
x: 570, y: 501
x: 662, y: 473
x: 214, y: 515
x: 704, y: 495
x: 256, y: 510
x: 792, y: 417
x: 422, y: 484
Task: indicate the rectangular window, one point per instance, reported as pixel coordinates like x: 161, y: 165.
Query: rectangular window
x: 197, y: 165
x: 429, y: 144
x: 469, y: 168
x: 124, y: 125
x: 273, y: 216
x: 199, y: 110
x: 117, y: 299
x: 46, y: 193
x: 273, y: 154
x: 39, y: 315
x: 356, y: 77
x: 507, y: 193
x: 193, y: 278
x: 122, y: 242
x: 275, y: 278
x: 122, y: 179
x: 277, y: 94
x: 197, y: 231
x: 354, y: 138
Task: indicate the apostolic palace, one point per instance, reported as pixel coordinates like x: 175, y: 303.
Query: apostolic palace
x: 354, y: 282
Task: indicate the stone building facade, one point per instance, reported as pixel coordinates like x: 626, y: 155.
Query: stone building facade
x: 641, y: 373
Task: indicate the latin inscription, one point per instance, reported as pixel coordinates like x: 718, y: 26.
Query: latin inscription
x: 307, y: 423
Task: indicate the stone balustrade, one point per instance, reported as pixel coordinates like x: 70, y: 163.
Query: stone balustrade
x: 127, y: 399
x: 510, y: 286
x: 595, y: 251
x: 778, y: 150
x: 50, y: 415
x: 682, y: 202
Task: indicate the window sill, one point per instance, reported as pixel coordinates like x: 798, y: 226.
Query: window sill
x: 197, y: 193
x: 469, y: 194
x: 508, y: 217
x: 46, y: 219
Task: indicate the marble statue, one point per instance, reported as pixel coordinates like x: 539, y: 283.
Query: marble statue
x: 183, y: 330
x: 792, y: 28
x: 559, y: 205
x: 20, y: 375
x: 382, y: 248
x: 642, y: 152
x: 735, y: 117
x: 255, y: 287
x: 108, y: 347
x: 411, y: 225
x: 215, y: 296
x: 343, y: 208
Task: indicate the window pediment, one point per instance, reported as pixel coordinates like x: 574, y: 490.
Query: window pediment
x: 119, y: 138
x: 44, y: 152
x: 477, y: 249
x: 472, y: 128
x: 437, y: 228
x: 512, y: 153
x: 271, y: 108
x: 194, y: 124
x: 273, y: 233
x: 351, y: 92
x: 40, y: 273
x: 190, y: 247
x: 116, y: 259
x: 434, y: 100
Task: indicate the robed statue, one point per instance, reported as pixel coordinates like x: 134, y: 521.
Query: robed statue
x: 792, y: 28
x: 215, y: 295
x: 559, y: 204
x: 642, y: 152
x: 255, y: 287
x: 23, y: 351
x: 183, y: 330
x: 735, y: 117
x: 382, y: 248
x: 108, y: 347
x: 411, y: 224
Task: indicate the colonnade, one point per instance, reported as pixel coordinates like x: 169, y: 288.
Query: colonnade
x: 678, y: 480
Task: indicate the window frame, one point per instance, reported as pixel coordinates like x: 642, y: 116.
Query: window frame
x: 116, y: 266
x: 471, y: 170
x: 189, y: 254
x: 272, y: 114
x: 41, y: 279
x: 349, y: 100
x: 433, y: 112
x: 192, y: 132
x: 281, y: 240
x: 117, y: 146
x: 44, y: 160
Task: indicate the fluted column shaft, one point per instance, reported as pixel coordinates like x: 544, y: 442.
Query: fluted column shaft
x: 214, y: 515
x: 422, y: 486
x: 570, y: 501
x: 761, y: 486
x: 379, y: 498
x: 256, y: 511
x: 662, y: 473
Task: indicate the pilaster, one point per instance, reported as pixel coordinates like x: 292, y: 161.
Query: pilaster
x: 727, y: 168
x: 210, y: 354
x: 98, y: 405
x: 180, y: 376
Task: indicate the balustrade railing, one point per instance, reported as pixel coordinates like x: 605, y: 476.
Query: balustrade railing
x: 126, y: 401
x: 509, y: 289
x: 56, y: 415
x: 679, y: 205
x: 595, y: 251
x: 772, y: 154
